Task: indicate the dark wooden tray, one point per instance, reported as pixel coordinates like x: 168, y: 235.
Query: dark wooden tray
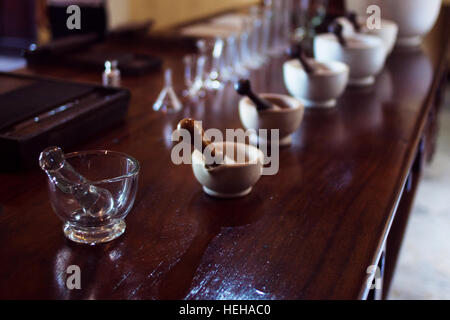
x: 39, y: 112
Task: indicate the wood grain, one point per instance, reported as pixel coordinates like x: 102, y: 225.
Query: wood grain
x: 310, y: 232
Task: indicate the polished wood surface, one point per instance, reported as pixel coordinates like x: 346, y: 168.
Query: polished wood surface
x: 309, y: 232
x: 17, y: 19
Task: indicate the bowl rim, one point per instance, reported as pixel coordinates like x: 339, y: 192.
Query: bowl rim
x: 375, y: 41
x: 246, y: 102
x: 293, y: 63
x: 363, y: 18
x: 258, y: 161
x: 131, y: 174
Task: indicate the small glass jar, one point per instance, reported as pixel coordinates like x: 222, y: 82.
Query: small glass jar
x: 111, y: 75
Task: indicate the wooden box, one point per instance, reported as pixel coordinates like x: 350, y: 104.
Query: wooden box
x: 39, y: 112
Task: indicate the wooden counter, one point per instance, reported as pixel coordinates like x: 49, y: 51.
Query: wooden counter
x: 342, y: 195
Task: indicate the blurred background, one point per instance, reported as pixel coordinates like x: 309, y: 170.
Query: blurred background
x: 26, y: 20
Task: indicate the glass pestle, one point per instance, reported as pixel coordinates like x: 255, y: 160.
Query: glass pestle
x: 94, y: 201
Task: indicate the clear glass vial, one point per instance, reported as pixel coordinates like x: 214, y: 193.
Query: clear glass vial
x: 111, y: 75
